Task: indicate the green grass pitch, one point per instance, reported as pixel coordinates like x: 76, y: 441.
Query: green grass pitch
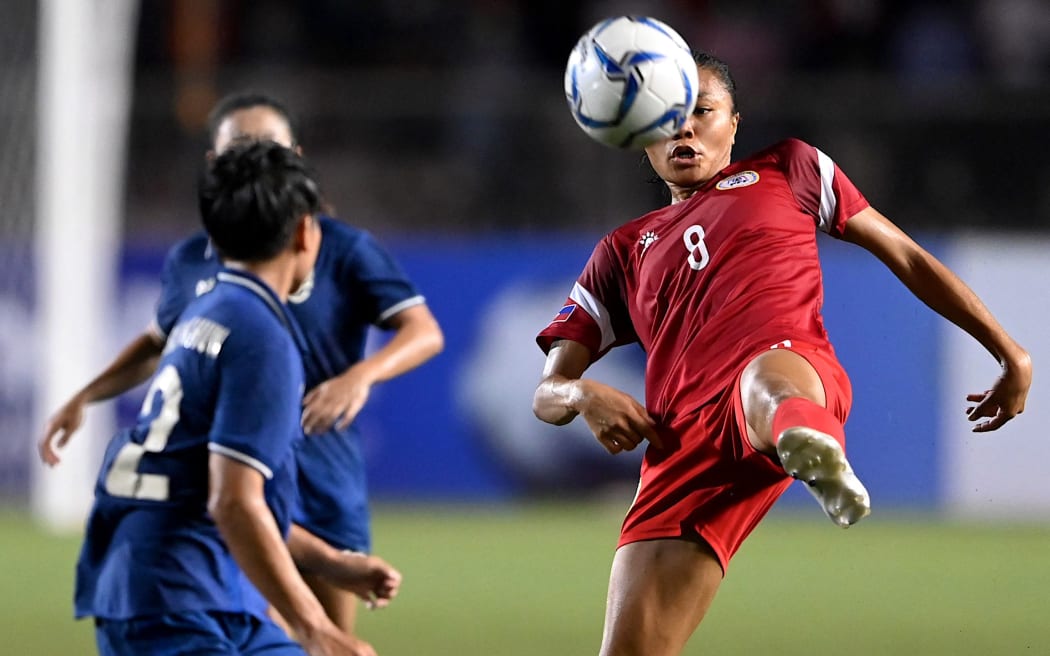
x: 510, y: 580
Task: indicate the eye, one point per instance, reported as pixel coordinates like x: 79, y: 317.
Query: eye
x: 700, y: 111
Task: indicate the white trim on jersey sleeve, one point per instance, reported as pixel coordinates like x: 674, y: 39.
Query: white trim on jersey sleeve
x: 398, y: 307
x: 594, y: 307
x: 828, y: 202
x: 254, y: 463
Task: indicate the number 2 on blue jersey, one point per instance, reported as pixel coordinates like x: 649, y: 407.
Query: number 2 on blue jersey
x: 123, y: 479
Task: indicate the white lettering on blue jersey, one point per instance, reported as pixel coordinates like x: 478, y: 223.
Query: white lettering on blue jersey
x: 198, y: 334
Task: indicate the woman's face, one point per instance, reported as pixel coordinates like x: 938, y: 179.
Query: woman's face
x: 702, y: 147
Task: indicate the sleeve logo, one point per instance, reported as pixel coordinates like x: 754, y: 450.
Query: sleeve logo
x: 745, y: 179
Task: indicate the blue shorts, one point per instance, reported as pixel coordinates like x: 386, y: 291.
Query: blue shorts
x: 332, y: 499
x: 207, y: 633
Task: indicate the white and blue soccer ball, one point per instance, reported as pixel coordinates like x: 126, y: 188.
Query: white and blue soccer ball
x: 630, y: 81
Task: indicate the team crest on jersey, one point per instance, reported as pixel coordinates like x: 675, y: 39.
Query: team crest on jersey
x: 647, y: 240
x: 564, y: 313
x: 300, y: 295
x: 745, y: 179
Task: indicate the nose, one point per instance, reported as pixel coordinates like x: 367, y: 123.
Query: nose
x: 686, y: 130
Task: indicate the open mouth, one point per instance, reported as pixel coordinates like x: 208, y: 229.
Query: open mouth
x: 683, y: 152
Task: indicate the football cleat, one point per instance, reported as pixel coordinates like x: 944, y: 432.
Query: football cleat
x: 816, y: 459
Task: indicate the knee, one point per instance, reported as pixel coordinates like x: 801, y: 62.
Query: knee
x: 762, y: 393
x: 769, y: 380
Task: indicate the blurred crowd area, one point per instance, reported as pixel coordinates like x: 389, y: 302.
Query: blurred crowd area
x: 437, y: 116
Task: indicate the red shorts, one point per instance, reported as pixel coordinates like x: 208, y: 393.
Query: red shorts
x: 708, y: 481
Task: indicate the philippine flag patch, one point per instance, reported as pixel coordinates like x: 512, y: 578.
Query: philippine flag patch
x: 564, y: 313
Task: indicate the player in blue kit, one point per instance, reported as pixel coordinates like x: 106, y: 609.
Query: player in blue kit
x: 197, y: 494
x: 354, y: 285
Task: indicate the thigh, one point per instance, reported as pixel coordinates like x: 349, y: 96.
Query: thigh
x: 659, y: 591
x: 790, y: 369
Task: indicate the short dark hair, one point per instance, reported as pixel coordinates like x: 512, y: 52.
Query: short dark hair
x: 239, y: 100
x: 252, y: 196
x: 720, y: 69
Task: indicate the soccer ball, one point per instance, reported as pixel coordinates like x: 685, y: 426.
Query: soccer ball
x: 630, y: 81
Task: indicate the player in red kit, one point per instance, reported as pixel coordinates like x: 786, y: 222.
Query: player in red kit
x: 722, y: 289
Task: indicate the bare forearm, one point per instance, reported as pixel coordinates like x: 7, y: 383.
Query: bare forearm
x: 936, y: 286
x: 132, y: 366
x: 254, y: 540
x: 409, y: 348
x: 310, y: 553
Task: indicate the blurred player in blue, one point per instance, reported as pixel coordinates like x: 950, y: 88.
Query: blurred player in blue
x: 199, y: 489
x: 354, y: 285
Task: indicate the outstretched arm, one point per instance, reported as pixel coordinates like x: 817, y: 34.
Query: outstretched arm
x: 618, y: 421
x: 417, y: 338
x: 132, y: 366
x: 936, y: 286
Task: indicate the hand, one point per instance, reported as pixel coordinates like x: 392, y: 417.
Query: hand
x: 335, y: 402
x: 618, y: 421
x: 330, y: 641
x: 60, y: 429
x: 1005, y: 400
x: 369, y: 577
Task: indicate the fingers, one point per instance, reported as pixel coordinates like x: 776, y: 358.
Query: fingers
x: 380, y: 596
x: 313, y: 424
x: 648, y: 431
x: 993, y: 412
x: 993, y: 424
x: 48, y: 455
x: 611, y: 444
x: 317, y: 421
x: 991, y: 408
x: 626, y: 432
x: 619, y: 440
x: 629, y: 438
x: 327, y: 406
x: 54, y: 439
x: 319, y: 416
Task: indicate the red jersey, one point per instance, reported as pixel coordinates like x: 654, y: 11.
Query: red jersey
x: 705, y: 284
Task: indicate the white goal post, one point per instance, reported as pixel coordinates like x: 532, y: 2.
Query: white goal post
x: 85, y: 66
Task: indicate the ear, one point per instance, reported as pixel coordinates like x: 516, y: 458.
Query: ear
x: 304, y: 229
x: 736, y: 124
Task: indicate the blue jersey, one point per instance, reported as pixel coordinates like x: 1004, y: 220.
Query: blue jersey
x: 230, y: 382
x: 356, y: 284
